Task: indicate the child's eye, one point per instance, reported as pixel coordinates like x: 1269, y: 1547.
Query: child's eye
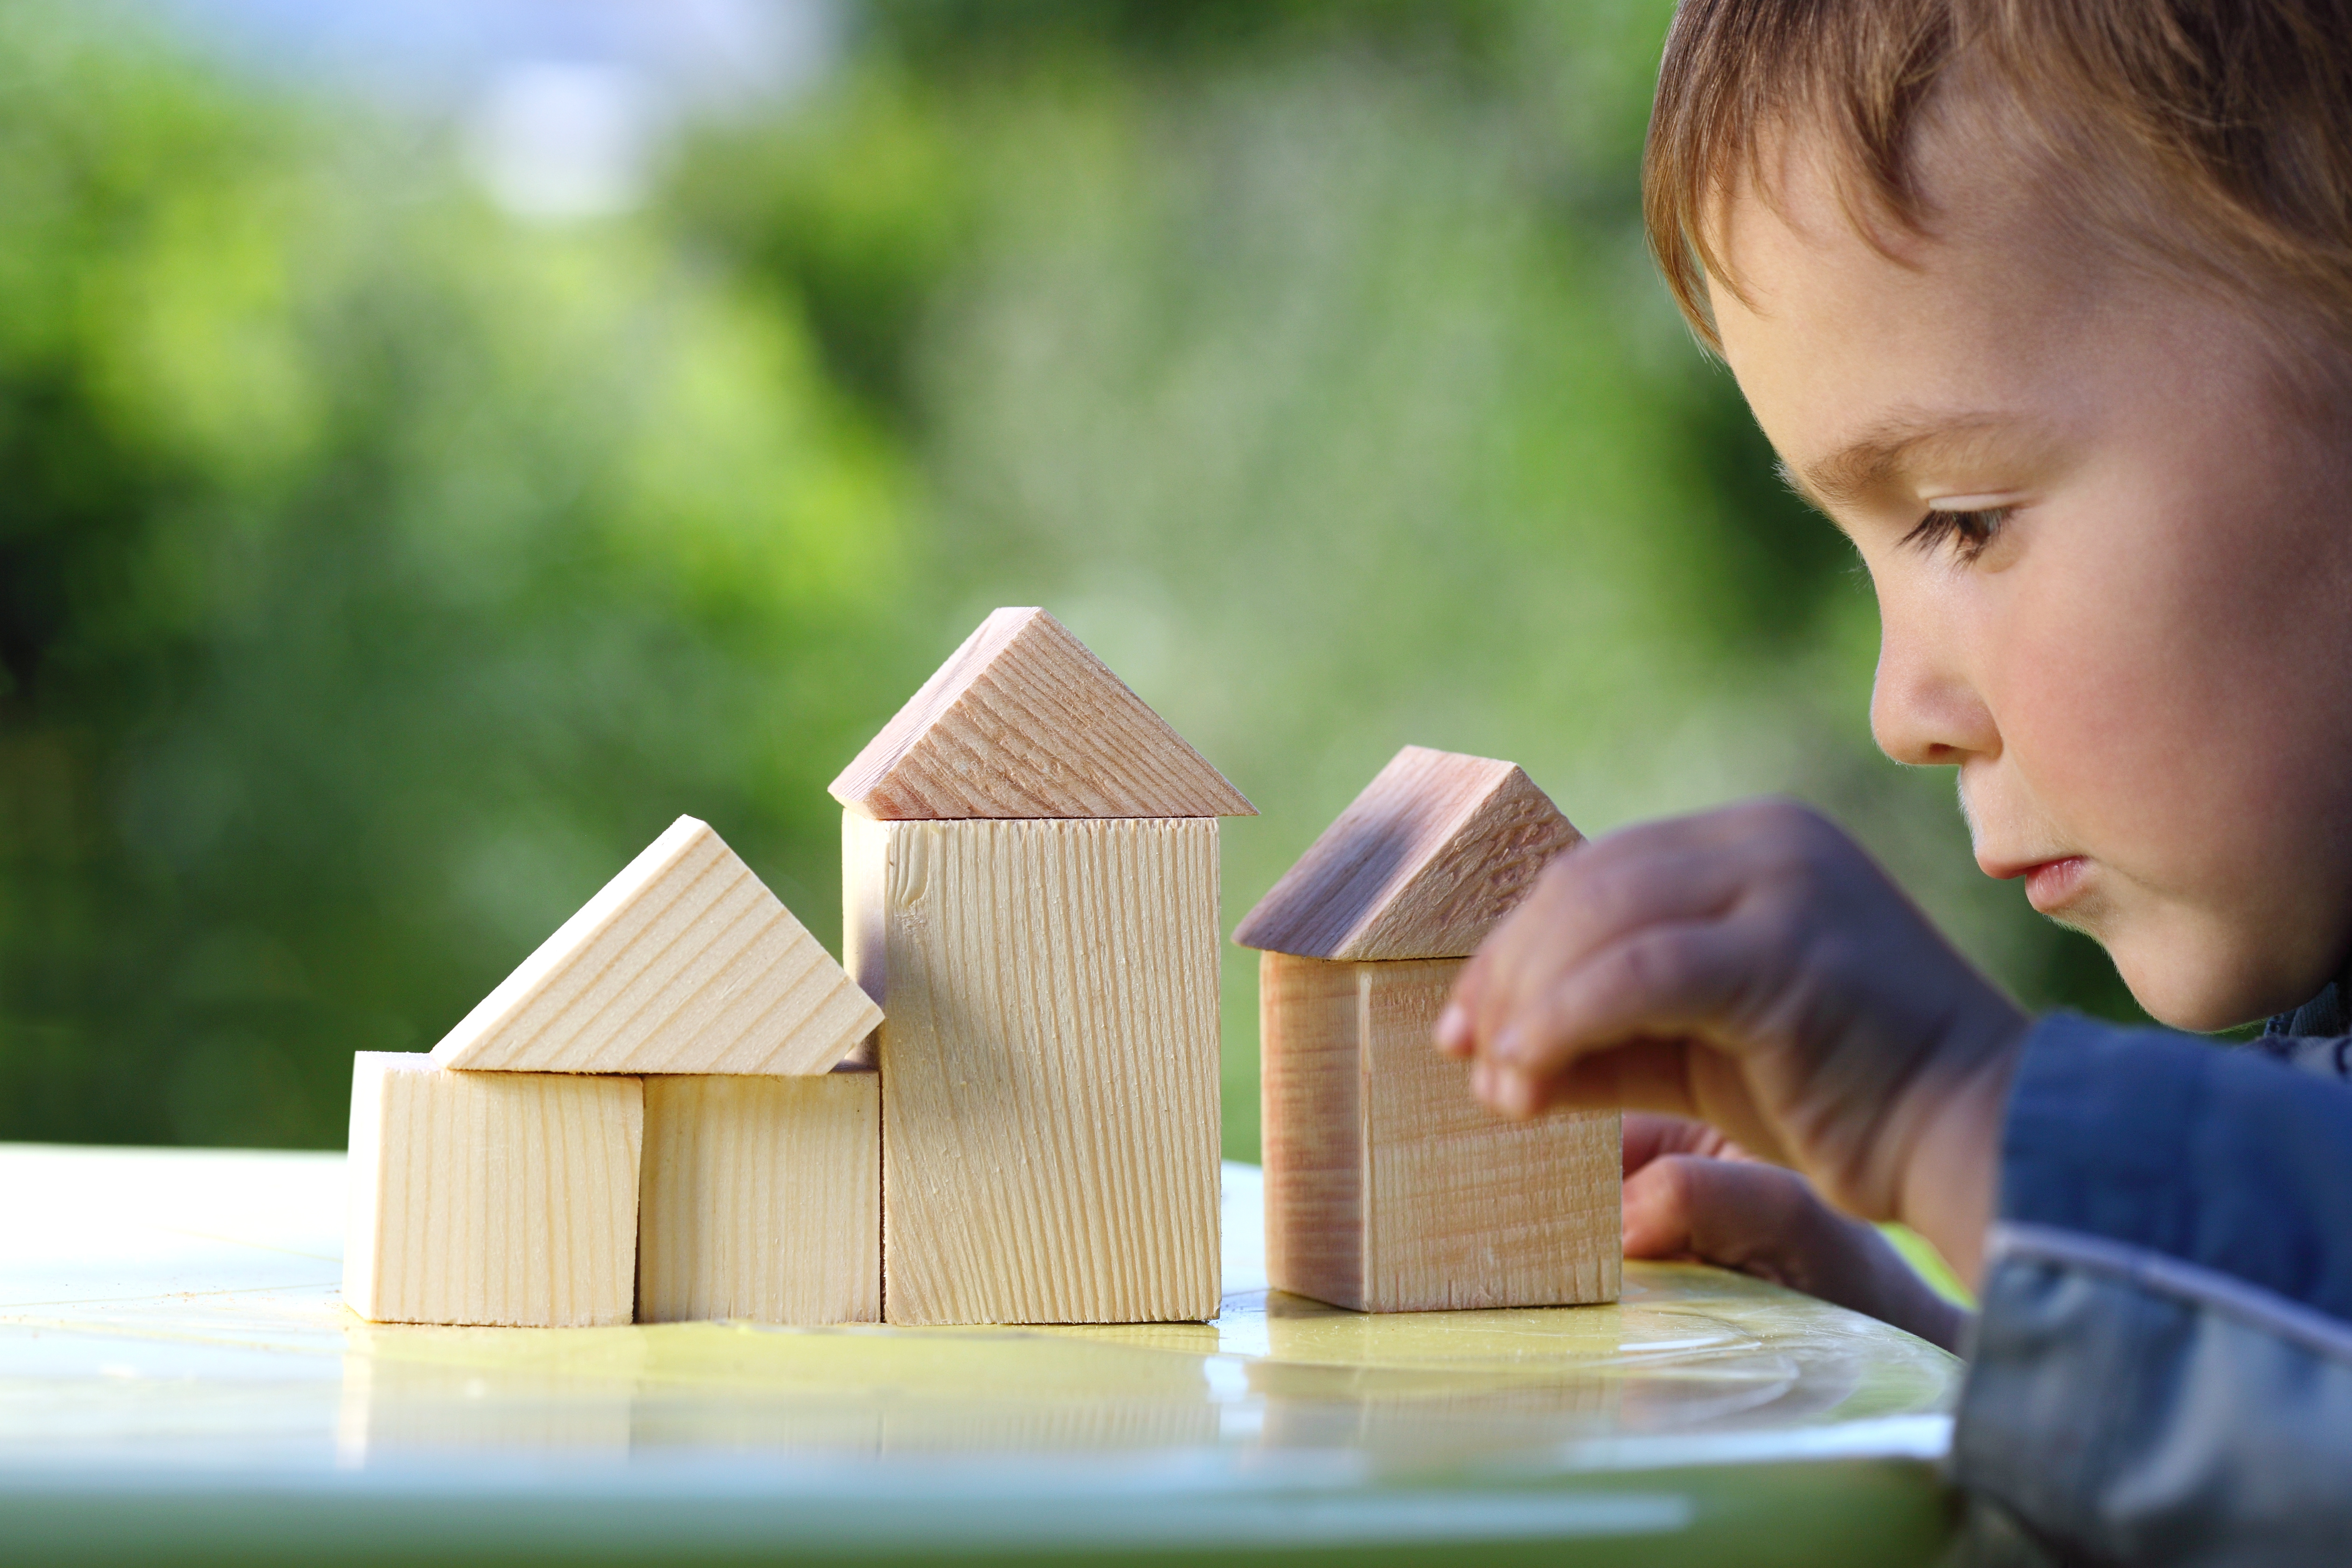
x: 1969, y: 533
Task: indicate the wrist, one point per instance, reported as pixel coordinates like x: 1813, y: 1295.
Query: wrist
x: 1950, y: 1179
x: 1909, y: 1303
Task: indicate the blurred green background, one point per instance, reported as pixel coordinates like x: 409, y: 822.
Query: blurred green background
x: 419, y: 483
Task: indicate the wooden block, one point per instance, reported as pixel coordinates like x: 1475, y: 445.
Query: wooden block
x: 1049, y: 1065
x: 481, y: 1197
x: 1025, y: 722
x: 1388, y: 1187
x: 762, y: 1199
x: 1437, y: 849
x: 684, y: 963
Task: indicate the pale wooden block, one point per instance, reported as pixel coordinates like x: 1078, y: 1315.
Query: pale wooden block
x: 1049, y: 1065
x: 1389, y: 1187
x: 1311, y: 1121
x: 1024, y: 721
x: 480, y: 1197
x: 1437, y: 849
x: 684, y: 963
x: 762, y: 1199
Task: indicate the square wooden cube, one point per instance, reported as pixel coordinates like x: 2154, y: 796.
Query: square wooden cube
x: 491, y: 1197
x: 762, y: 1199
x: 1388, y: 1187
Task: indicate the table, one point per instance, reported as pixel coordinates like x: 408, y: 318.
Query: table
x: 179, y: 1383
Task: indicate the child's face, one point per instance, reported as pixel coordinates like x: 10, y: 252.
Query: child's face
x: 2143, y: 666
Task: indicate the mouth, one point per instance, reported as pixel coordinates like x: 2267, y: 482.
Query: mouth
x: 2052, y: 885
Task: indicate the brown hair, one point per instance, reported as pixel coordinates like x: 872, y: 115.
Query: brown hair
x: 2213, y: 134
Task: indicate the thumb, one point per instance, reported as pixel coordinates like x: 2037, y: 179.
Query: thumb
x: 1735, y: 1213
x: 1651, y: 1135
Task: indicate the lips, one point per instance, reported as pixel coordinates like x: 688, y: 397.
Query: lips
x: 2052, y: 885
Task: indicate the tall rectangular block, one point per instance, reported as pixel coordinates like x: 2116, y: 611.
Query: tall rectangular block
x: 1048, y: 1064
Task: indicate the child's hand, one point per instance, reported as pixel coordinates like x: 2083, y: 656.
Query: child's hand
x: 1752, y: 968
x: 1690, y: 1191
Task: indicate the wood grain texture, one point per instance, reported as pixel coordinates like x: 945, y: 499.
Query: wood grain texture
x: 1398, y: 1191
x: 1049, y: 1066
x: 1437, y: 849
x: 760, y: 1198
x: 1311, y: 1121
x: 478, y: 1197
x: 1025, y: 722
x: 684, y: 963
x: 1467, y: 1208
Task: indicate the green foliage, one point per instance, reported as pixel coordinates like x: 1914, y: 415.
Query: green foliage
x: 377, y: 573
x: 379, y: 576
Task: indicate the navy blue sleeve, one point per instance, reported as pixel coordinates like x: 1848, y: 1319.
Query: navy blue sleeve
x: 2222, y: 1158
x: 2162, y: 1369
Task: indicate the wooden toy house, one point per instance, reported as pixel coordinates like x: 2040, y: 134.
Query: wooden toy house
x: 644, y: 1111
x: 1029, y: 885
x: 1388, y: 1187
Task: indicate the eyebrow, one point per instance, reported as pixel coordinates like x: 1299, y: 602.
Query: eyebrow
x: 1892, y: 447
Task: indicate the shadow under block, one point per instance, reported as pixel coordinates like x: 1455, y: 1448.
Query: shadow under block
x: 1049, y: 1065
x: 684, y: 963
x: 1389, y: 1188
x: 491, y: 1197
x: 762, y: 1199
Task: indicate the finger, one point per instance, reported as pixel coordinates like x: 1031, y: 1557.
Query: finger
x: 1586, y: 901
x: 1657, y: 1211
x: 1676, y: 1079
x: 1769, y: 1223
x: 1756, y: 1219
x: 1455, y: 1033
x: 1636, y: 1075
x: 1675, y: 981
x: 1682, y: 870
x: 1650, y: 1135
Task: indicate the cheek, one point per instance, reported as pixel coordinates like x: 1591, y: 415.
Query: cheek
x: 2153, y: 715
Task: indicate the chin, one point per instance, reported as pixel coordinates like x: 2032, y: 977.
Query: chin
x: 2196, y: 1017
x: 2201, y: 999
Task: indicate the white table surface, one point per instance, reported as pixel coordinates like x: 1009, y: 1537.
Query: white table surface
x: 178, y: 1379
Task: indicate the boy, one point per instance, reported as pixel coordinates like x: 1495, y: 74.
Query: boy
x: 2048, y: 305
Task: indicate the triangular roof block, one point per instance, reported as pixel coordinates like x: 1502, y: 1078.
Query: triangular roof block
x: 1025, y: 722
x: 1437, y: 849
x: 684, y: 963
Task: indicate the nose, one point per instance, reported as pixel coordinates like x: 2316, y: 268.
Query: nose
x: 1923, y: 709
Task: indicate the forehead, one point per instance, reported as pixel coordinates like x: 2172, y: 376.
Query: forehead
x: 1840, y: 323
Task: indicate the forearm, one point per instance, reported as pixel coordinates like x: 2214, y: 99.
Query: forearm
x: 1896, y: 1294
x: 1950, y: 1176
x: 1851, y: 1262
x: 1767, y: 1221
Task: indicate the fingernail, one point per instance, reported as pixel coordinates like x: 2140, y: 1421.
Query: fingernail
x: 1453, y: 1029
x: 1505, y: 1047
x: 1521, y: 1090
